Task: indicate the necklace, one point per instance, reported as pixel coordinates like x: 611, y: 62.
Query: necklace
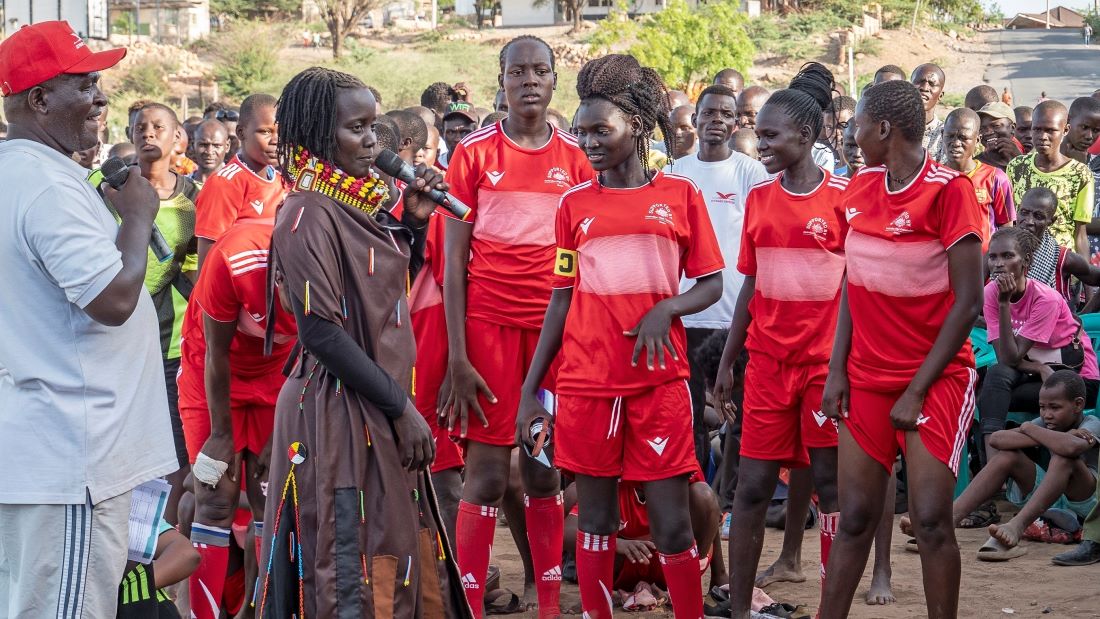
x: 901, y: 181
x: 311, y: 173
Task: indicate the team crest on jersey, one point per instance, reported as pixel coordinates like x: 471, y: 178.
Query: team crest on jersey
x: 982, y: 194
x: 817, y: 228
x: 902, y: 224
x: 661, y: 213
x: 559, y: 177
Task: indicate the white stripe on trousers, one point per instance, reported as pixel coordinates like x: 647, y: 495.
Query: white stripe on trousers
x: 74, y: 561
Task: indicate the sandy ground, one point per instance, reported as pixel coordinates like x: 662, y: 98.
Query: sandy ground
x: 1025, y: 587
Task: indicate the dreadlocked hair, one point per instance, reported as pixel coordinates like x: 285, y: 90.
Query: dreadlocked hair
x: 897, y: 102
x: 306, y: 114
x: 1026, y: 242
x: 520, y: 39
x: 634, y: 89
x: 808, y: 96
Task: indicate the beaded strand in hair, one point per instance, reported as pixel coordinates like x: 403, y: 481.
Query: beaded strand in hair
x: 634, y: 89
x: 306, y: 114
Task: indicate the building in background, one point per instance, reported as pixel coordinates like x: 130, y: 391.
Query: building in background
x: 165, y: 21
x: 89, y: 18
x: 1060, y: 17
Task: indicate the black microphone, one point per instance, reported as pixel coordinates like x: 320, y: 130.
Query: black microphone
x: 396, y: 167
x: 115, y: 171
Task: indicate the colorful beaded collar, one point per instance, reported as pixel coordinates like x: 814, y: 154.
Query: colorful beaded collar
x: 311, y: 173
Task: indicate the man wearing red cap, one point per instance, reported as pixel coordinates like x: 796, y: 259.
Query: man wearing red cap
x: 83, y: 412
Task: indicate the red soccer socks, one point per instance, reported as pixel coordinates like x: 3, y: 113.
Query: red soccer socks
x: 208, y: 582
x: 684, y: 586
x: 596, y: 573
x: 545, y: 530
x: 474, y: 529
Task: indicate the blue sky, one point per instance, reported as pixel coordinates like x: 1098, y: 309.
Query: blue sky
x: 1012, y: 7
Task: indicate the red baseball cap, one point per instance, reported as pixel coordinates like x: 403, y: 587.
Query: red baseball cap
x: 40, y: 52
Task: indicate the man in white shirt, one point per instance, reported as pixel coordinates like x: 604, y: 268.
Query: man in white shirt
x: 83, y: 412
x: 725, y: 178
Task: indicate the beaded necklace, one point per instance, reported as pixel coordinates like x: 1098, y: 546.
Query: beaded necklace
x: 312, y: 173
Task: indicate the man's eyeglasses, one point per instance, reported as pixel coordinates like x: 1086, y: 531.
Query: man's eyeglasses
x: 229, y: 115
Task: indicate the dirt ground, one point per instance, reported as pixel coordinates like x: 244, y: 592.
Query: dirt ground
x: 1025, y: 587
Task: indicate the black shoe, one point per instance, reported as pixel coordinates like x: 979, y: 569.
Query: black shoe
x: 1086, y: 553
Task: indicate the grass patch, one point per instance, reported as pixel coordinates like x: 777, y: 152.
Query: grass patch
x: 792, y: 36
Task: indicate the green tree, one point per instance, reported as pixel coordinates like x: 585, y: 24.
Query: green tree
x: 686, y: 45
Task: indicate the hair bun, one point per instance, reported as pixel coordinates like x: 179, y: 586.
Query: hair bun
x: 817, y: 81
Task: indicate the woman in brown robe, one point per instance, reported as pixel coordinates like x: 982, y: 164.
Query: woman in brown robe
x: 354, y: 527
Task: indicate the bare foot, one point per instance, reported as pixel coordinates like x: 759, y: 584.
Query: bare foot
x: 880, y: 593
x: 530, y: 601
x: 906, y: 525
x: 1006, y: 533
x: 780, y: 571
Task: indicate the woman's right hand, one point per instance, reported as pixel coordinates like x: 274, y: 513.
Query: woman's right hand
x: 723, y: 394
x: 415, y: 441
x: 466, y: 384
x: 530, y: 409
x: 834, y: 401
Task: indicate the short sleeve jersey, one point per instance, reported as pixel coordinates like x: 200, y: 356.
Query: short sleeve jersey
x: 235, y: 193
x: 429, y: 323
x: 793, y: 244
x: 1071, y: 183
x: 233, y: 286
x: 899, y: 291
x: 513, y: 193
x: 994, y: 195
x: 623, y: 251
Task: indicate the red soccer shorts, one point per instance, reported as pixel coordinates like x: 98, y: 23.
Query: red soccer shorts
x: 252, y: 427
x: 502, y: 355
x: 642, y: 437
x: 782, y: 411
x: 943, y: 423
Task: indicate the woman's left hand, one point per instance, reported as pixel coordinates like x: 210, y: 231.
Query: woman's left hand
x: 418, y: 205
x: 1006, y: 286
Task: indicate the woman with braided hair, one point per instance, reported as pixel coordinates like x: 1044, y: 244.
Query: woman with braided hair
x: 794, y: 223
x: 349, y: 447
x: 901, y: 373
x: 623, y: 408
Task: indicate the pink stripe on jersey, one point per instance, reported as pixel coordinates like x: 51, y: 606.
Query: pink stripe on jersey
x: 897, y: 269
x: 798, y: 274
x: 425, y: 292
x: 629, y: 264
x: 516, y: 217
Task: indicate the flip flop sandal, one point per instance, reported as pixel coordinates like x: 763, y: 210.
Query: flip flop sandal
x: 994, y: 550
x: 492, y: 579
x: 502, y: 602
x: 781, y: 610
x: 911, y: 545
x: 983, y: 516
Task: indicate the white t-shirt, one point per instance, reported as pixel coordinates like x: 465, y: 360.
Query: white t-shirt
x: 823, y: 156
x: 724, y: 184
x: 83, y: 406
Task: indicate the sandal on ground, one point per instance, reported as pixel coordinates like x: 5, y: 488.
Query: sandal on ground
x: 985, y: 515
x: 502, y: 602
x: 911, y: 545
x: 781, y: 610
x: 717, y: 602
x: 994, y: 550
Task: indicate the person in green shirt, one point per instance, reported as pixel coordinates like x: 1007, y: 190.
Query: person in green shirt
x: 1046, y: 166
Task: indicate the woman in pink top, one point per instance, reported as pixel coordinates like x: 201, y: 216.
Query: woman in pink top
x: 1033, y: 331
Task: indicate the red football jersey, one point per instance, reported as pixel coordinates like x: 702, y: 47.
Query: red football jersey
x: 236, y: 193
x: 428, y: 320
x: 793, y: 244
x: 233, y: 286
x: 513, y: 193
x: 623, y: 251
x: 899, y: 291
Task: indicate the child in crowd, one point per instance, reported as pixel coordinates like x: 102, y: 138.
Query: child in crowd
x: 1070, y: 180
x: 852, y: 155
x: 744, y: 142
x: 1049, y: 462
x: 142, y: 593
x: 624, y: 239
x: 991, y: 187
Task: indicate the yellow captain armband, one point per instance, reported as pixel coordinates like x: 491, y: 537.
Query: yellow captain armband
x: 566, y: 264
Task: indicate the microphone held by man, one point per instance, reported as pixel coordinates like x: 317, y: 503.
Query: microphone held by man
x: 116, y: 174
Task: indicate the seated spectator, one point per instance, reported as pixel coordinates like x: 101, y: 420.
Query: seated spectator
x: 1051, y: 263
x: 1049, y: 462
x: 1033, y: 332
x: 141, y: 595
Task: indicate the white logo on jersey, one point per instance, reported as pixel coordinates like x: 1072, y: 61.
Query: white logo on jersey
x: 851, y: 213
x: 658, y: 444
x: 559, y: 177
x: 552, y: 574
x: 819, y: 417
x: 622, y: 524
x: 259, y: 206
x: 469, y: 582
x: 923, y: 419
x: 817, y: 228
x: 587, y: 222
x: 661, y: 213
x: 902, y: 224
x: 494, y: 177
